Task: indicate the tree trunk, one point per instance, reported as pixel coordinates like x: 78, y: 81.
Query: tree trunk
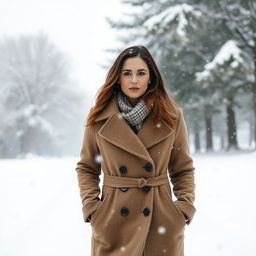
x: 251, y: 130
x: 28, y: 140
x: 222, y: 142
x: 254, y: 92
x: 231, y: 124
x: 208, y: 124
x: 197, y: 137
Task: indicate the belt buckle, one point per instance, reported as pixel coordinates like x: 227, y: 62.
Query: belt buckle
x: 141, y: 182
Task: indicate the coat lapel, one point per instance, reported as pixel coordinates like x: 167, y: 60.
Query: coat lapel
x: 118, y: 132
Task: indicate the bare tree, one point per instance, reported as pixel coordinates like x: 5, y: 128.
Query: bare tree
x: 36, y: 95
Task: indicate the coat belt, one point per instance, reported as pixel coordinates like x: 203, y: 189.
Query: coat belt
x: 116, y: 181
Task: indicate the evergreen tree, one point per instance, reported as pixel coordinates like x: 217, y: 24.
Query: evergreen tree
x: 183, y: 37
x: 240, y: 17
x: 224, y: 77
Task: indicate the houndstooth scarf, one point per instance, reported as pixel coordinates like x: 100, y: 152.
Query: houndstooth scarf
x: 134, y: 115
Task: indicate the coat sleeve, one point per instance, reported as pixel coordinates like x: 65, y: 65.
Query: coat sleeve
x: 88, y: 170
x: 181, y: 170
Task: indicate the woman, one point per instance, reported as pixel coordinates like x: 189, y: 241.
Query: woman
x: 136, y: 135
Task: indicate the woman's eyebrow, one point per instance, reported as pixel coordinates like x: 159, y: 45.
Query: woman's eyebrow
x: 142, y: 69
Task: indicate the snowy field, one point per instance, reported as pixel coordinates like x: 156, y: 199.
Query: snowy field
x: 41, y: 210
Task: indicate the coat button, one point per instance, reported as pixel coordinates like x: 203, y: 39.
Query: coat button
x: 146, y: 188
x: 123, y: 169
x: 123, y: 189
x: 148, y: 167
x: 146, y: 211
x: 124, y: 211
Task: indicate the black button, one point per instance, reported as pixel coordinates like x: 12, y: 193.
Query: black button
x: 123, y: 169
x: 148, y: 167
x: 146, y: 211
x: 124, y: 211
x: 123, y: 189
x: 146, y: 188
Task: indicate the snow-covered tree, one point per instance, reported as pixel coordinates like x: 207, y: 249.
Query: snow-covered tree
x: 178, y: 35
x: 183, y: 36
x: 240, y: 17
x: 37, y: 96
x: 223, y: 79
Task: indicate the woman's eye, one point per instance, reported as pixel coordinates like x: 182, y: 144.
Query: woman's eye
x: 141, y: 73
x: 127, y: 73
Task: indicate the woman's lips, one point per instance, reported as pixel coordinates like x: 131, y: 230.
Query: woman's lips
x: 134, y: 89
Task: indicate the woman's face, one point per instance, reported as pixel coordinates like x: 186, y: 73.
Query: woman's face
x: 134, y: 74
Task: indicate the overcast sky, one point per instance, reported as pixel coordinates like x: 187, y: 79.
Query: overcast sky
x: 76, y: 26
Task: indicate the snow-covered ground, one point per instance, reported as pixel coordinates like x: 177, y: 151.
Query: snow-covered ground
x: 41, y: 210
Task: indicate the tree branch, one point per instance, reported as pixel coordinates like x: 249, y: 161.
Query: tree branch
x: 237, y: 29
x: 252, y: 8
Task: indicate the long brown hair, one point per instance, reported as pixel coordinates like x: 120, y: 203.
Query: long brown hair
x: 157, y: 92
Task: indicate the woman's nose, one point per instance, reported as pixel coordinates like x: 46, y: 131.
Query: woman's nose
x: 134, y: 79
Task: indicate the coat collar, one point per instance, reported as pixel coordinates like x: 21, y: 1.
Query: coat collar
x: 118, y: 132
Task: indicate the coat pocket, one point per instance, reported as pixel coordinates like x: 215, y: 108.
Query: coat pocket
x: 175, y: 207
x: 99, y: 210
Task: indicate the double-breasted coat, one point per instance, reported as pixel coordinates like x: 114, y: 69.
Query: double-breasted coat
x: 136, y: 214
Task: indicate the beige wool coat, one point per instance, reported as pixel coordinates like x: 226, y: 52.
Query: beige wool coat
x: 136, y: 214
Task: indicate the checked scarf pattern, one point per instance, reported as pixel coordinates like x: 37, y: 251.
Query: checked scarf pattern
x: 134, y: 115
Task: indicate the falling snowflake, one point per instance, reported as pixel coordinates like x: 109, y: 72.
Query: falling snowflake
x: 158, y: 125
x: 122, y: 249
x: 219, y: 247
x: 98, y: 159
x: 139, y: 227
x: 164, y: 251
x: 161, y: 230
x: 131, y: 51
x: 119, y: 115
